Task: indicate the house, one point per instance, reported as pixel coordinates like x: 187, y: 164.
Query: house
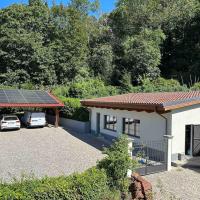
x: 150, y: 117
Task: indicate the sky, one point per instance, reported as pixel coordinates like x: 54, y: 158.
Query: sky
x: 106, y: 5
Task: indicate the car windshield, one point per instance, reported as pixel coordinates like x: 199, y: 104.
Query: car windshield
x: 11, y: 118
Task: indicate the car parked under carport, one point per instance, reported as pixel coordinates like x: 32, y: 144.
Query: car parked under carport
x: 30, y: 99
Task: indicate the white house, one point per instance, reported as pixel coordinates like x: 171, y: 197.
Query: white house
x: 150, y: 117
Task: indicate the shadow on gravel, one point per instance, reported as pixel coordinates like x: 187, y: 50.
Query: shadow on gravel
x: 193, y: 164
x: 98, y: 143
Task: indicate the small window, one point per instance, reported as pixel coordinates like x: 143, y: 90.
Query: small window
x: 110, y: 122
x: 131, y: 127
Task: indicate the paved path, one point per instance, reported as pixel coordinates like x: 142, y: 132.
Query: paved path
x: 179, y: 183
x: 46, y: 151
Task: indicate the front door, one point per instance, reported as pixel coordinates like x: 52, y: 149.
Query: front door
x: 98, y: 124
x: 196, y: 140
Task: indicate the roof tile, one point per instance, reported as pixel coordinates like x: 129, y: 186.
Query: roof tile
x: 162, y: 100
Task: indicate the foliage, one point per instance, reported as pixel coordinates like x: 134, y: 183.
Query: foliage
x: 161, y: 85
x: 60, y: 91
x: 91, y: 88
x: 160, y: 19
x: 142, y: 54
x: 116, y: 164
x: 59, y: 45
x: 74, y: 110
x: 196, y: 86
x: 90, y: 185
x: 101, y: 61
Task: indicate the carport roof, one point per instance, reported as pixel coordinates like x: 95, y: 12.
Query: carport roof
x: 151, y: 102
x: 28, y: 98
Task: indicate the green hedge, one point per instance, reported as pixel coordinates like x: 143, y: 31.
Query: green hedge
x: 74, y: 110
x: 90, y: 185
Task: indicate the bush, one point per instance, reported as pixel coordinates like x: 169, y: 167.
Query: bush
x: 60, y: 91
x: 90, y: 185
x: 90, y: 89
x: 116, y: 164
x: 196, y: 86
x: 74, y: 110
x: 161, y: 85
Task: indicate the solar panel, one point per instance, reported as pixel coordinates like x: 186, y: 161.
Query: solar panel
x: 26, y: 96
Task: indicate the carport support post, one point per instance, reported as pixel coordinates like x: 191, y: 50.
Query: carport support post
x: 168, y: 153
x: 56, y: 117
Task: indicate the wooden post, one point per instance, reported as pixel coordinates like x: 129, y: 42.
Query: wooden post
x: 56, y: 117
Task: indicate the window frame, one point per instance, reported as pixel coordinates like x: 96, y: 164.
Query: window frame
x: 135, y: 129
x: 114, y: 125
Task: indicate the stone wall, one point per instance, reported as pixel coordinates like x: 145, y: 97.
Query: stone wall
x: 140, y: 188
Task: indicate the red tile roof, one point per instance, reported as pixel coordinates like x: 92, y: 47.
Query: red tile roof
x: 160, y: 101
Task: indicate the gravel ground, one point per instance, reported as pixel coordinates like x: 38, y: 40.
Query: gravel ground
x: 179, y: 183
x: 46, y: 151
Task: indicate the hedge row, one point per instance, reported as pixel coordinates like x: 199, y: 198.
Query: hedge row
x: 90, y: 185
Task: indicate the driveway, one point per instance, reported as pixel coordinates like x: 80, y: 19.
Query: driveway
x: 46, y: 151
x: 177, y: 184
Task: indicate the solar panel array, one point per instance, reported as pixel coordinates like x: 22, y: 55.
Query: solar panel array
x: 26, y: 96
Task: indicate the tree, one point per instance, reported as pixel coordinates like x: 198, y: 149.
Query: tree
x: 128, y: 22
x: 101, y: 61
x: 35, y: 2
x: 142, y: 54
x: 24, y: 44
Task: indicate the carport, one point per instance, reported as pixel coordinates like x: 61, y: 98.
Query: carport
x: 19, y: 98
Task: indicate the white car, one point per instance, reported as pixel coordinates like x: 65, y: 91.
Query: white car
x: 9, y: 122
x: 34, y: 119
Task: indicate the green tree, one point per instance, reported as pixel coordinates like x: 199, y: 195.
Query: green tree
x: 23, y: 43
x: 142, y: 54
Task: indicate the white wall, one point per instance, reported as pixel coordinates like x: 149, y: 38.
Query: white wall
x: 152, y: 126
x: 180, y: 118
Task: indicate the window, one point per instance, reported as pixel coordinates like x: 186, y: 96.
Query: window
x: 131, y: 127
x: 110, y: 122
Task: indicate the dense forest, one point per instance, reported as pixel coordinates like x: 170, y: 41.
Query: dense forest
x: 139, y: 46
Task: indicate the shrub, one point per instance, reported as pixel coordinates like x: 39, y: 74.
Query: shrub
x: 74, y: 110
x: 161, y: 85
x: 196, y: 86
x: 60, y: 91
x: 90, y: 185
x: 91, y: 88
x: 116, y: 164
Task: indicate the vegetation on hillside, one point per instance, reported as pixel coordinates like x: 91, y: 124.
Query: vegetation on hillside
x: 57, y: 45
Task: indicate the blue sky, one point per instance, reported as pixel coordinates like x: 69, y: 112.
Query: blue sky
x: 106, y: 5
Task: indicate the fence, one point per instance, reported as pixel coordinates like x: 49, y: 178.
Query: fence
x: 151, y: 156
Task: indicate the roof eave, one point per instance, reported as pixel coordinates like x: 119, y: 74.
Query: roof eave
x: 182, y: 105
x: 125, y: 106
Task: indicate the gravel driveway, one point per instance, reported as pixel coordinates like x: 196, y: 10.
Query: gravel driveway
x: 179, y: 183
x: 46, y: 151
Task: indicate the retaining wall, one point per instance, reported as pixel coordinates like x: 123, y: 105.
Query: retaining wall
x: 74, y: 125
